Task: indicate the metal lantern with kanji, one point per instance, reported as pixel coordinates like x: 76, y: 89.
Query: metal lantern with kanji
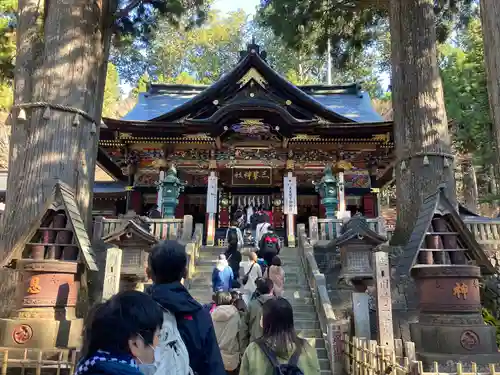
x: 171, y: 188
x: 357, y: 243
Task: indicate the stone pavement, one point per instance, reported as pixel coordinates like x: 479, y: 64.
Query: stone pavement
x: 296, y: 291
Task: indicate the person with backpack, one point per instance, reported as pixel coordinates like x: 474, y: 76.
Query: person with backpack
x: 262, y: 228
x: 249, y: 272
x: 233, y: 257
x: 222, y: 275
x: 269, y: 245
x: 120, y: 335
x: 232, y: 232
x: 251, y: 327
x: 187, y: 334
x: 279, y: 350
x: 227, y: 322
x: 276, y: 273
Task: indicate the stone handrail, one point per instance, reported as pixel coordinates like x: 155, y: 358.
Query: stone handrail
x: 332, y: 328
x: 193, y: 252
x: 328, y: 229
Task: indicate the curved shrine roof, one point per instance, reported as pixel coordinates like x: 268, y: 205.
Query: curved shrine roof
x: 251, y: 79
x: 162, y: 99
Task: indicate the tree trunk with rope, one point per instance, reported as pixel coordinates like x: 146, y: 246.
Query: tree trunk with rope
x: 62, y: 50
x: 423, y: 146
x: 490, y: 18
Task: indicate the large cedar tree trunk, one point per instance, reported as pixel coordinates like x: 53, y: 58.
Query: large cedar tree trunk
x: 490, y: 18
x: 62, y: 48
x: 419, y: 114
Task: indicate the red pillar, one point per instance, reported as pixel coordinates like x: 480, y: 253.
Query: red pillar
x: 136, y: 203
x: 179, y: 210
x: 369, y: 206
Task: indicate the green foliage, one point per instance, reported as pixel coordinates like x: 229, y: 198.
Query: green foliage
x: 112, y: 93
x: 466, y: 97
x: 490, y: 319
x: 7, y: 38
x: 349, y: 25
x: 182, y: 54
x: 6, y: 96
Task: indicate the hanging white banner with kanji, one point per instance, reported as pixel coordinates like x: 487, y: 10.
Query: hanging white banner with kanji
x: 290, y: 195
x: 212, y: 202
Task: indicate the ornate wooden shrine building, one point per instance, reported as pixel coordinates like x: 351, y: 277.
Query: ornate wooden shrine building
x: 251, y: 128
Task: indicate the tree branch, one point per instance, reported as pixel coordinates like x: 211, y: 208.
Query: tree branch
x: 123, y: 12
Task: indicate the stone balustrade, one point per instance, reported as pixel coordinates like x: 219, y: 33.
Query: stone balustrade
x: 333, y: 328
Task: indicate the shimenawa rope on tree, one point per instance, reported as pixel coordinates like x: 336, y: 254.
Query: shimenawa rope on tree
x: 58, y: 107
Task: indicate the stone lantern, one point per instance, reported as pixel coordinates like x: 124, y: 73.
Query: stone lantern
x: 327, y: 189
x: 357, y: 242
x: 171, y: 187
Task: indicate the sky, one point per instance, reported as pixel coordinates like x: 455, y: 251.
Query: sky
x: 231, y: 5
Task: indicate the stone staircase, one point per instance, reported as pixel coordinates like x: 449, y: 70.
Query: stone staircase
x: 296, y: 291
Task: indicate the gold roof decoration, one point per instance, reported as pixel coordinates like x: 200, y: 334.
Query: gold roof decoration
x: 343, y: 165
x: 251, y: 121
x: 382, y: 137
x: 125, y: 135
x: 196, y: 136
x: 159, y: 163
x: 254, y: 75
x: 305, y: 137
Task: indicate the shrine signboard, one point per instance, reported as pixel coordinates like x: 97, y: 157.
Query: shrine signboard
x: 251, y: 176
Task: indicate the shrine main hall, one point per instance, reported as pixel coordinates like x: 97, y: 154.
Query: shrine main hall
x: 250, y: 139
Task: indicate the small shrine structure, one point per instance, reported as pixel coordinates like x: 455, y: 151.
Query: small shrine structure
x: 446, y: 264
x: 49, y: 260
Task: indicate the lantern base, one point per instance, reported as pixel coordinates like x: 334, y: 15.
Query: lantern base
x: 454, y: 339
x: 41, y: 333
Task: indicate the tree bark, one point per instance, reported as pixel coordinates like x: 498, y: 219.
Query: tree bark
x: 420, y: 124
x: 490, y: 13
x: 469, y: 180
x: 62, y: 53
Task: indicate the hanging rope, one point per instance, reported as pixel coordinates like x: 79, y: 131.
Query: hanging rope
x: 58, y: 107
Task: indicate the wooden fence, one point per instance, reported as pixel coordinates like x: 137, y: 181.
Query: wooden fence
x: 363, y: 357
x: 38, y: 362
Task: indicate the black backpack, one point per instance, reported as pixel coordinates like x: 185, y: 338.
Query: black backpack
x: 290, y: 368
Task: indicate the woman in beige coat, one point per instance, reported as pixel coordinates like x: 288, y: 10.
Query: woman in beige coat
x: 227, y: 324
x: 276, y: 273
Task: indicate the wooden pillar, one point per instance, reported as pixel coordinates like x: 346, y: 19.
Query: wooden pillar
x: 160, y: 189
x: 212, y: 206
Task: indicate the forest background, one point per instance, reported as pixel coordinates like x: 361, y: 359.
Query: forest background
x: 185, y: 55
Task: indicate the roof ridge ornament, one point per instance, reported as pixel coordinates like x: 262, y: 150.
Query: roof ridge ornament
x: 253, y: 49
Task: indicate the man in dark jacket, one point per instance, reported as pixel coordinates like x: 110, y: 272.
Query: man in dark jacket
x: 167, y: 267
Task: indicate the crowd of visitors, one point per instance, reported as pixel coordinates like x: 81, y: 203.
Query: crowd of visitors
x: 247, y: 329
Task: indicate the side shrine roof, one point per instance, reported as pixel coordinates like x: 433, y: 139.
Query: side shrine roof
x: 438, y: 203
x: 174, y: 102
x: 62, y: 197
x: 358, y: 227
x: 131, y: 226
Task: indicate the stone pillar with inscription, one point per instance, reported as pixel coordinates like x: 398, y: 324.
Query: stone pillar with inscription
x: 212, y: 204
x: 290, y: 204
x: 383, y: 299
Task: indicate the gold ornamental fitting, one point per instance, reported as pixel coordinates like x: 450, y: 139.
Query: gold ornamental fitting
x: 342, y: 165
